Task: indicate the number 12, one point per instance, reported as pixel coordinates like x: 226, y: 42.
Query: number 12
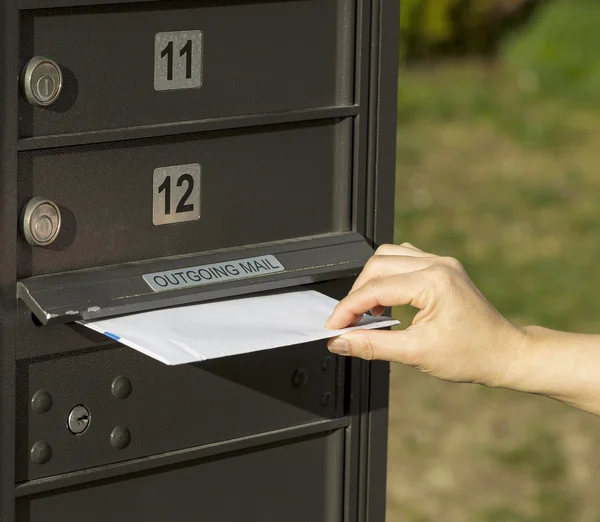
x: 182, y: 206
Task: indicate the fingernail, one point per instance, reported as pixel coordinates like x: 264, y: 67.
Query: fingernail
x: 339, y: 346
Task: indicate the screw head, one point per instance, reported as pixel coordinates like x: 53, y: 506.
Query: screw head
x: 41, y: 402
x: 41, y: 452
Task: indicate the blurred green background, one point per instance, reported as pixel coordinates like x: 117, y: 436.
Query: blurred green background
x: 498, y: 147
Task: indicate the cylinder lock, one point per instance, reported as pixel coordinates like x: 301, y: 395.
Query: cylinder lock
x: 79, y: 419
x: 40, y: 222
x: 41, y: 81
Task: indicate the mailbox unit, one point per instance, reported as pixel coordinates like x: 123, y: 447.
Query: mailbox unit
x: 145, y: 137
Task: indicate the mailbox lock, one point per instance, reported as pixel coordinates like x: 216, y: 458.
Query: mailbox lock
x: 41, y: 81
x: 40, y: 222
x: 79, y: 419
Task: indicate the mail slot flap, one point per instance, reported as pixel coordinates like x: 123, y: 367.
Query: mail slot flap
x: 149, y: 285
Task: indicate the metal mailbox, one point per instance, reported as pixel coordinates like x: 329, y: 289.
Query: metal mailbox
x: 149, y: 137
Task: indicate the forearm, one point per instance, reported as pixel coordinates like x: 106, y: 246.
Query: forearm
x: 458, y: 335
x: 563, y: 366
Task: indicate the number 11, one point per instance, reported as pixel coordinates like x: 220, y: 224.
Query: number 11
x: 185, y: 50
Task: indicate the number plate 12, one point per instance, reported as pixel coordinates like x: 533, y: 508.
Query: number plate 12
x: 176, y: 194
x: 177, y: 60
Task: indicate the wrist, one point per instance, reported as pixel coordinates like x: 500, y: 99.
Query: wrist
x: 520, y: 352
x: 538, y: 363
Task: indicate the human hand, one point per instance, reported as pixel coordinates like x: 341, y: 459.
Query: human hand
x: 457, y: 334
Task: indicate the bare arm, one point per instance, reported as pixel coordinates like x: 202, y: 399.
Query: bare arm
x: 457, y: 335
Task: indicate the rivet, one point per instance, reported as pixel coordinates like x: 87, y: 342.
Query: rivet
x: 120, y: 437
x: 325, y: 399
x: 326, y: 363
x: 41, y: 402
x: 299, y: 378
x: 121, y: 387
x: 41, y: 452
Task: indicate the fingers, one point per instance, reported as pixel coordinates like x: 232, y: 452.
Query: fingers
x: 396, y: 290
x: 391, y: 260
x: 384, y: 266
x: 397, y: 346
x: 377, y: 311
x: 405, y: 249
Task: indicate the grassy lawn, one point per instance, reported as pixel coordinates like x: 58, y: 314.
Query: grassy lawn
x: 507, y: 181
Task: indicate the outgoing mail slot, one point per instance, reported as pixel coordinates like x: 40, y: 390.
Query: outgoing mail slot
x: 149, y: 64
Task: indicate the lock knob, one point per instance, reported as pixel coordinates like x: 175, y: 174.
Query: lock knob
x: 40, y: 222
x: 41, y: 81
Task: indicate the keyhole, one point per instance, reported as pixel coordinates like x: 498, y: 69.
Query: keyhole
x: 45, y: 87
x: 79, y: 420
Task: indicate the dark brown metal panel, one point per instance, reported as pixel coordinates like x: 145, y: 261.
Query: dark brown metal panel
x: 374, y: 215
x: 361, y: 127
x: 386, y: 20
x: 257, y: 185
x: 376, y: 471
x: 37, y: 341
x: 165, y: 408
x: 8, y: 218
x: 257, y: 57
x: 386, y: 118
x: 186, y: 127
x: 121, y: 470
x: 43, y: 4
x: 296, y: 482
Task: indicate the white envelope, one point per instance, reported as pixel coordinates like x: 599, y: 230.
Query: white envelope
x: 231, y: 327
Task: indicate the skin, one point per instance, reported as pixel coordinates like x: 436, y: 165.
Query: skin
x: 458, y: 335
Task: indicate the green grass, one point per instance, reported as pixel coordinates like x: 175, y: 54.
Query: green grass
x: 558, y: 51
x: 508, y: 182
x: 508, y: 185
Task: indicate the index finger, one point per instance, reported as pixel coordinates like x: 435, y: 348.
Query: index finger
x: 379, y: 266
x: 396, y: 290
x: 405, y: 249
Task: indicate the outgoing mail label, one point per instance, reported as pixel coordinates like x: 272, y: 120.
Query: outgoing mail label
x: 214, y: 273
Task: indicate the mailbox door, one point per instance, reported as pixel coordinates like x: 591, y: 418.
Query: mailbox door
x: 233, y: 188
x: 296, y: 481
x: 128, y: 66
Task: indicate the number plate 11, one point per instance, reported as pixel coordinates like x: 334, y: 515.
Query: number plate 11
x: 176, y: 195
x: 177, y: 60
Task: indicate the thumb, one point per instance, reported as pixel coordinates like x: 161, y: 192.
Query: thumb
x: 400, y: 346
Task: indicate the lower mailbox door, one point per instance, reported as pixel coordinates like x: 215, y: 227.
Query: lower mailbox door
x: 135, y: 407
x: 299, y: 481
